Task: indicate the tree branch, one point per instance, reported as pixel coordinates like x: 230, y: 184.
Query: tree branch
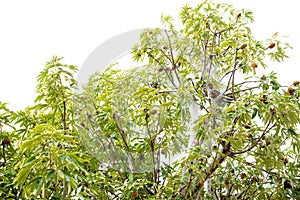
x: 267, y: 129
x: 233, y: 74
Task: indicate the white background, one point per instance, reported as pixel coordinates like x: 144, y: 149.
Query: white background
x: 32, y: 31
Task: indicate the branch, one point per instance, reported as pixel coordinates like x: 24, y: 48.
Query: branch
x: 3, y: 153
x: 172, y: 56
x: 187, y: 188
x: 229, y: 72
x: 233, y: 74
x: 220, y: 157
x: 172, y: 62
x: 229, y: 191
x: 170, y: 78
x: 267, y: 129
x: 212, y: 50
x: 204, y: 54
x: 242, y: 84
x: 148, y: 190
x: 255, y: 166
x: 171, y: 50
x: 242, y: 192
x: 123, y: 136
x: 255, y: 87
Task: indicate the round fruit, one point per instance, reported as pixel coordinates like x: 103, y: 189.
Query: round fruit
x: 291, y: 90
x: 273, y: 110
x: 153, y: 112
x: 243, y: 46
x: 6, y: 141
x: 272, y: 45
x: 242, y: 175
x: 247, y: 126
x: 135, y: 194
x: 263, y: 78
x: 295, y: 83
x: 168, y: 69
x: 253, y: 65
x: 226, y: 182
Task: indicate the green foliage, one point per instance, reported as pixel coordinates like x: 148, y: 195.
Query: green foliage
x: 199, y: 88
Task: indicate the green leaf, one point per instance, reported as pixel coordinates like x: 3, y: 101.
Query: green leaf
x: 22, y: 175
x: 49, y: 175
x: 291, y: 132
x: 29, y: 161
x: 255, y: 111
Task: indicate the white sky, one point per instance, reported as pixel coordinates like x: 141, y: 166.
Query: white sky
x: 32, y: 31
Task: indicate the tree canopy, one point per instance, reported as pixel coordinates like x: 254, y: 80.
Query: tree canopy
x: 200, y: 120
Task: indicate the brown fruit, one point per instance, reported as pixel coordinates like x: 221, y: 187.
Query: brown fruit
x: 295, y: 83
x: 263, y: 99
x: 243, y: 46
x: 239, y: 15
x: 253, y: 65
x: 242, y: 175
x: 210, y: 85
x: 179, y: 63
x: 287, y: 184
x: 153, y: 112
x: 291, y: 90
x: 273, y: 110
x: 272, y: 45
x: 168, y: 69
x: 201, y: 185
x: 247, y: 126
x: 135, y: 194
x: 260, y: 99
x: 263, y: 78
x: 207, y: 25
x: 6, y: 141
x: 285, y: 160
x: 160, y: 69
x: 255, y: 179
x: 226, y: 182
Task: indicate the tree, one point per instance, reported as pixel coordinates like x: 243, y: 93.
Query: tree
x: 44, y: 155
x: 246, y: 143
x: 198, y: 91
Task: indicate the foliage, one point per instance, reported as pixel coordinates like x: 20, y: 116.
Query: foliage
x: 199, y: 88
